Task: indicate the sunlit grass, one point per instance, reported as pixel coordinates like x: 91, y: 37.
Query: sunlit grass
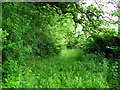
x: 70, y: 69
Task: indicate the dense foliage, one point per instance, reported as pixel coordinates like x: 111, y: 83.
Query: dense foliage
x: 109, y: 44
x: 42, y: 48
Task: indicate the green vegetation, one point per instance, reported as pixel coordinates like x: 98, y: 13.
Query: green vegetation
x: 72, y: 68
x: 42, y: 48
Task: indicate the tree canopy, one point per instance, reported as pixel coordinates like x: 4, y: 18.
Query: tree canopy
x: 37, y: 35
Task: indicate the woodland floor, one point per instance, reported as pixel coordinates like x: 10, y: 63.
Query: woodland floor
x: 72, y: 68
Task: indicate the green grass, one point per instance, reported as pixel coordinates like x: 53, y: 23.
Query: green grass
x: 70, y: 69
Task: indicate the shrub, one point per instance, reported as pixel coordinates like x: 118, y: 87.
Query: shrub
x: 109, y: 45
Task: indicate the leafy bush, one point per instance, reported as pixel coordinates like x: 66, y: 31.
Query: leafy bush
x: 113, y: 77
x: 109, y: 45
x: 17, y: 76
x: 27, y: 34
x: 24, y: 37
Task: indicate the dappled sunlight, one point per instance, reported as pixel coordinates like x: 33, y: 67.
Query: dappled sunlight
x: 67, y: 71
x: 58, y: 45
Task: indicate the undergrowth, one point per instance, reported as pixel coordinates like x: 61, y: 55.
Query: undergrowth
x: 70, y: 69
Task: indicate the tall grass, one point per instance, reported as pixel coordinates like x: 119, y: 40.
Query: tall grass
x: 70, y: 69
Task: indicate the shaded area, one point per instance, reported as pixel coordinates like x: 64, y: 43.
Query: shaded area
x: 42, y: 49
